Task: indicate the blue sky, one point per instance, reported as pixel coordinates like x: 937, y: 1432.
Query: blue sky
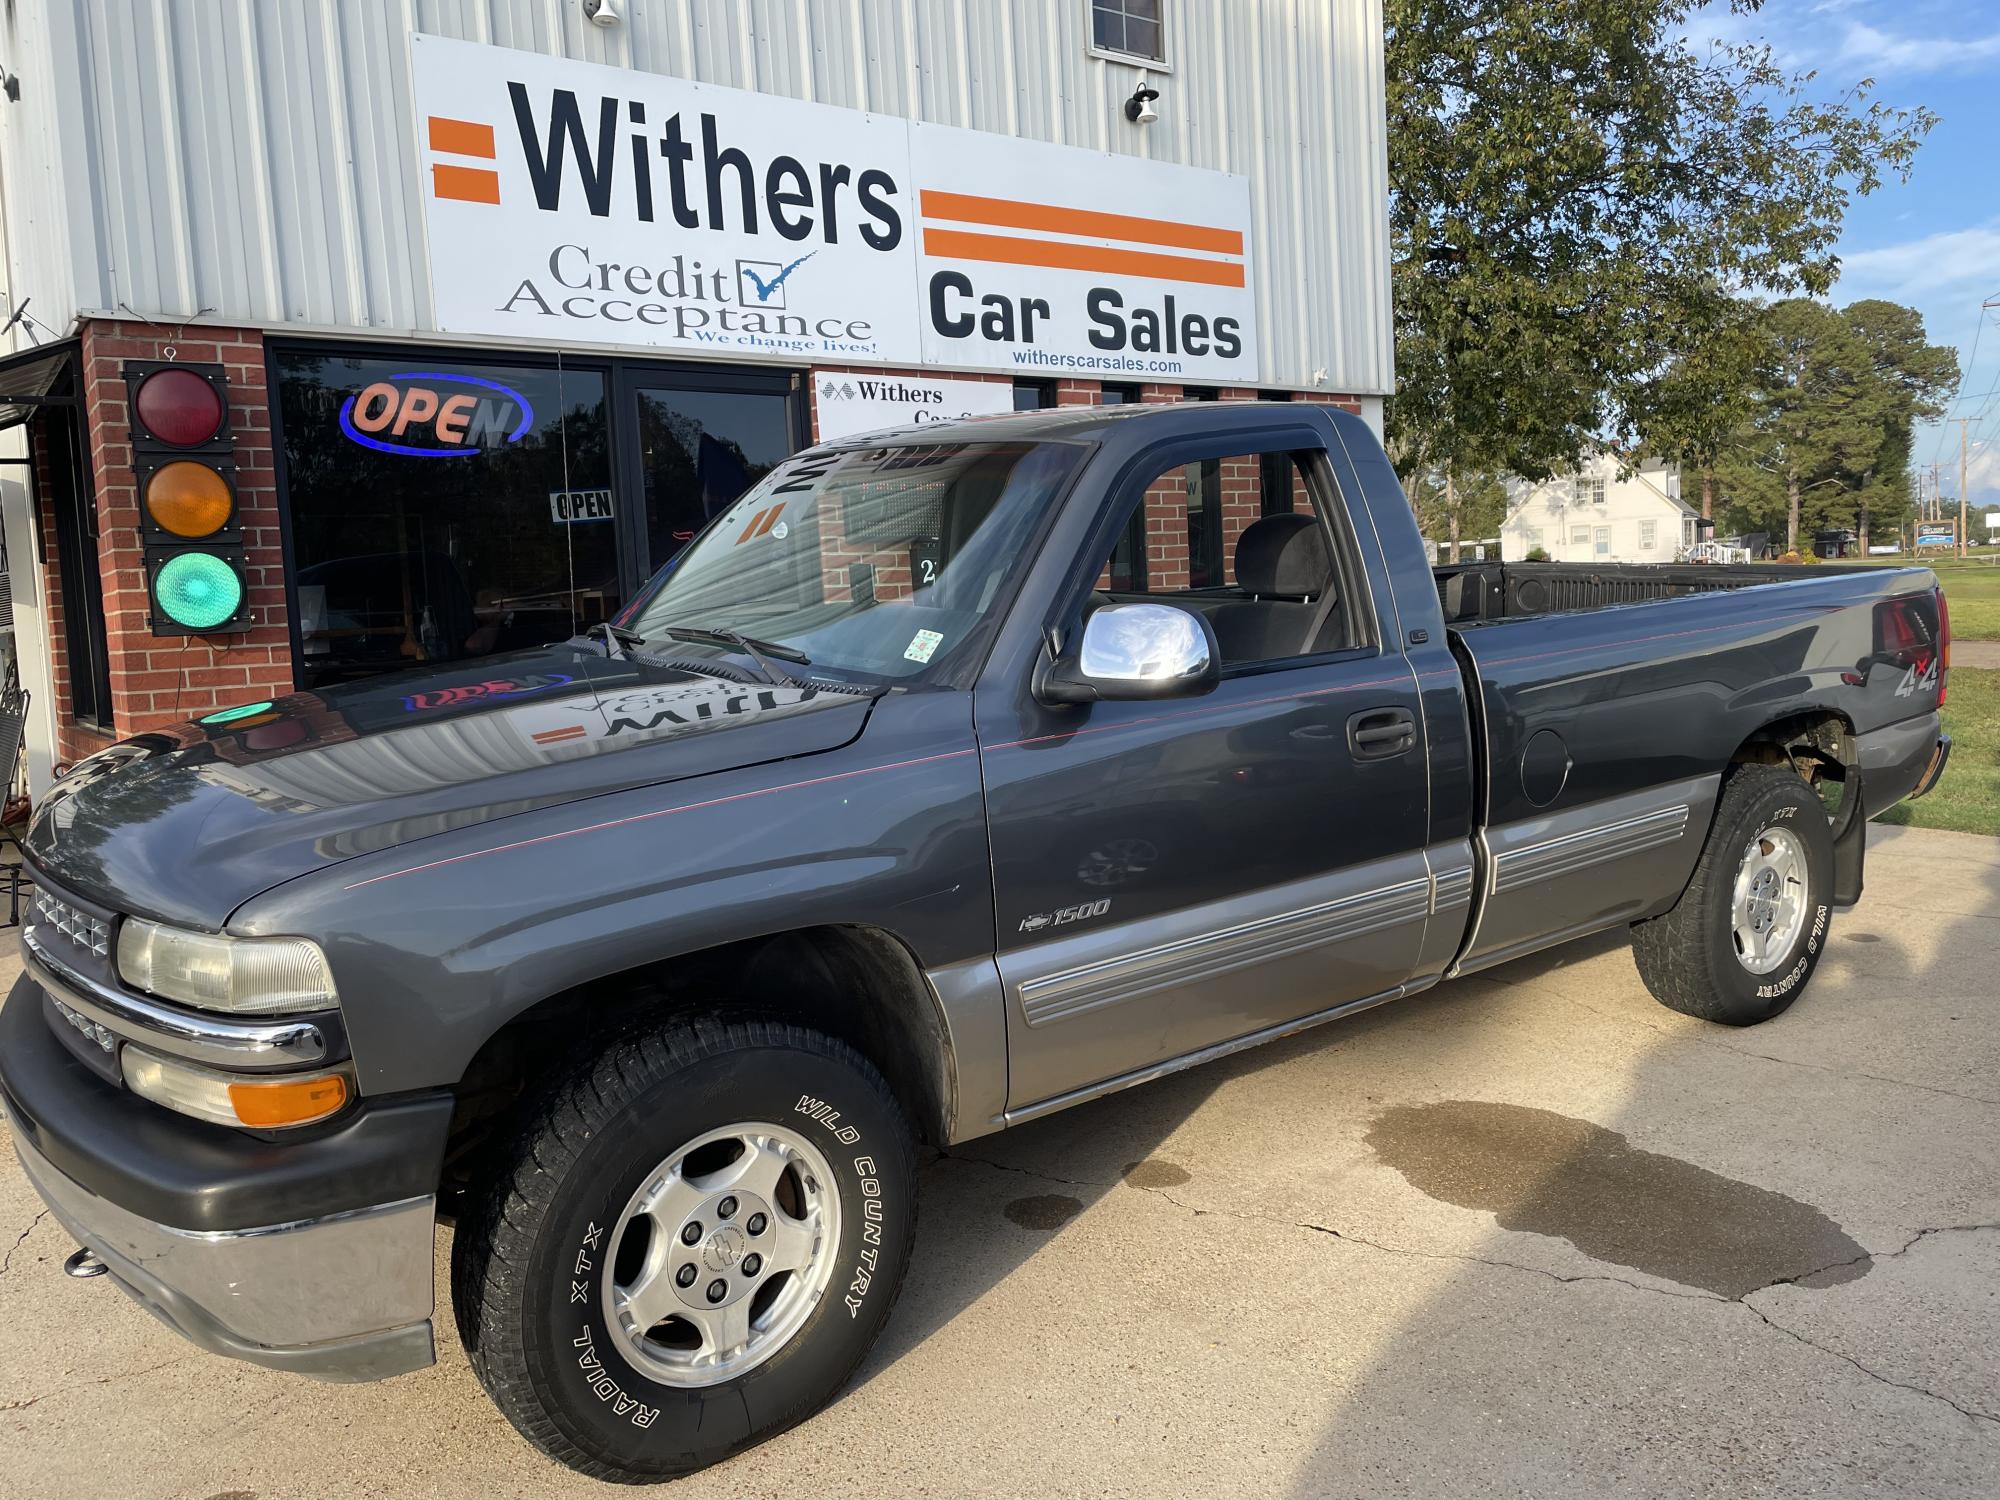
x: 1933, y: 242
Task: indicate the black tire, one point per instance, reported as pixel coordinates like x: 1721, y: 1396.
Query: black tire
x: 1688, y: 957
x: 542, y: 1351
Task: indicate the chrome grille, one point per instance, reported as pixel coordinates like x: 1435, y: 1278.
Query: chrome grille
x: 87, y: 933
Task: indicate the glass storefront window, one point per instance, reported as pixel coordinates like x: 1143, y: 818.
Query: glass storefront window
x: 699, y: 450
x: 442, y: 508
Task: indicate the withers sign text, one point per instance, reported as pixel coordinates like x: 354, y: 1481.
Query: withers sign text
x: 575, y: 203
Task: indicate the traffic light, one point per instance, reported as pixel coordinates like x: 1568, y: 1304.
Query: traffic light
x: 184, y: 460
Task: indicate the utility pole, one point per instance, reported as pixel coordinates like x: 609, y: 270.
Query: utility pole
x: 1964, y: 423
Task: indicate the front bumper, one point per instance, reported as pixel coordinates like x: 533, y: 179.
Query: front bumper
x: 340, y: 1298
x: 312, y: 1254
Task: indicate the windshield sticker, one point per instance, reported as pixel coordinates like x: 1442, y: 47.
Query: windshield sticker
x: 922, y: 645
x: 762, y: 522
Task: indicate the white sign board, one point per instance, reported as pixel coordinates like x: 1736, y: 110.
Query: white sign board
x: 574, y: 203
x: 1051, y: 260
x: 567, y: 506
x: 849, y: 402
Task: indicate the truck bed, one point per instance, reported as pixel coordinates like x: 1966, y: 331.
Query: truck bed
x: 1488, y: 592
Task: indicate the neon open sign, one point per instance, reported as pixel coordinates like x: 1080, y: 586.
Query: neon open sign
x: 433, y: 414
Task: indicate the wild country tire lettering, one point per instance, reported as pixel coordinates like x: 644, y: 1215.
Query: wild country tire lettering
x: 1798, y: 970
x: 871, y: 1201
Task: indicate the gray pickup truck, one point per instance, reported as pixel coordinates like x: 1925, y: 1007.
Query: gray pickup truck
x: 926, y: 792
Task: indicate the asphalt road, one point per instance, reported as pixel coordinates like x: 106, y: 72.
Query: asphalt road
x: 1530, y: 1234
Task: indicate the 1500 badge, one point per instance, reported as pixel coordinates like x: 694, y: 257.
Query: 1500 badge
x: 1036, y: 921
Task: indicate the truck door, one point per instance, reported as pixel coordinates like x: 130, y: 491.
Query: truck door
x: 1169, y: 876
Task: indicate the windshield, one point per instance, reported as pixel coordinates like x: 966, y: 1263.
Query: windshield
x: 881, y: 564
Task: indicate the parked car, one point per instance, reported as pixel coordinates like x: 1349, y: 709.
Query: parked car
x: 652, y: 959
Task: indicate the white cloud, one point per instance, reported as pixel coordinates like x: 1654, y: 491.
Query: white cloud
x: 1967, y: 259
x: 1982, y: 472
x: 1878, y: 52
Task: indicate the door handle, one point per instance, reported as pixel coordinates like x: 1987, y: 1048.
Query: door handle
x: 1378, y: 733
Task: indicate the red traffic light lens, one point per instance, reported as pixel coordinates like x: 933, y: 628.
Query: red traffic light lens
x: 179, y: 407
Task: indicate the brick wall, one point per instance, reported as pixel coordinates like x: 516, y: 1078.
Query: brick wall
x: 1166, y: 513
x: 158, y: 680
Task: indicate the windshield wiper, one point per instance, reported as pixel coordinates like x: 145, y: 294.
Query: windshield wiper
x: 758, y: 651
x: 614, y: 638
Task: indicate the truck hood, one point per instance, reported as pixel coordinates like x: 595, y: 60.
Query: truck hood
x: 185, y: 824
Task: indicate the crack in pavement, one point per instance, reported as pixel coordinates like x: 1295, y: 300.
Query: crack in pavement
x: 1971, y: 1413
x: 102, y: 1380
x: 21, y: 1239
x: 1991, y: 1419
x: 1702, y: 1040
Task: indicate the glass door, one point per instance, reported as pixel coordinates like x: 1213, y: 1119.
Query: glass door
x: 694, y: 441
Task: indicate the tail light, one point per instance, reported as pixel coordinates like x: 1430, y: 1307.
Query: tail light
x: 1907, y: 637
x: 1944, y: 642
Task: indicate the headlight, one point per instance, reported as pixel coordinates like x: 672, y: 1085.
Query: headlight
x: 247, y: 976
x: 271, y: 1103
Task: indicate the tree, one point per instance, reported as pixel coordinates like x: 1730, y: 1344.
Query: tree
x: 1919, y: 378
x: 1826, y: 441
x: 1692, y: 408
x: 1454, y: 507
x: 1571, y: 182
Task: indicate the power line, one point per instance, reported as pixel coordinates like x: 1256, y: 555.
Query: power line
x: 1994, y: 389
x: 1964, y: 370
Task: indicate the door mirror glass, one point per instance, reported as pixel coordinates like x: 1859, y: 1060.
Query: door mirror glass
x: 1135, y: 651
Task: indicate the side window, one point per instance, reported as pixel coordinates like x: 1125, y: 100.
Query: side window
x: 1242, y: 540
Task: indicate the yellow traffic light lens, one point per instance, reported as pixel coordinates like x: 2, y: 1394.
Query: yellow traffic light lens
x: 188, y: 499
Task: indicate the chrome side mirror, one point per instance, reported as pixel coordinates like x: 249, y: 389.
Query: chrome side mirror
x: 1134, y: 652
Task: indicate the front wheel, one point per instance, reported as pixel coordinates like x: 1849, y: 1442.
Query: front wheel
x: 1747, y: 933
x: 690, y: 1246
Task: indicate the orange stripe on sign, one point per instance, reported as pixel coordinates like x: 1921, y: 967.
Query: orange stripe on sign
x: 467, y: 184
x: 461, y: 137
x: 959, y: 244
x: 1008, y: 213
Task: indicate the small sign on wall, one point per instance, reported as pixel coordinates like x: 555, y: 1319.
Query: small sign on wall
x: 849, y: 404
x: 566, y: 506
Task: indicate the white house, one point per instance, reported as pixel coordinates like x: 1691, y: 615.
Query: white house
x: 1594, y: 515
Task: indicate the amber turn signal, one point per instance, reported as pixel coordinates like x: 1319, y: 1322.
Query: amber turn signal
x: 290, y: 1101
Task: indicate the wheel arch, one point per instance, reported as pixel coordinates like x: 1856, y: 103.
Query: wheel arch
x: 860, y: 984
x: 1818, y: 743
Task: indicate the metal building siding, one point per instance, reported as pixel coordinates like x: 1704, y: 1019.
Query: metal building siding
x: 258, y: 162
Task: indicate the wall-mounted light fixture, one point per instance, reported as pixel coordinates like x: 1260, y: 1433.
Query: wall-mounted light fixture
x: 1139, y: 108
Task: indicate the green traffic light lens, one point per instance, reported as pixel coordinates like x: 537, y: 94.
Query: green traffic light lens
x: 197, y: 591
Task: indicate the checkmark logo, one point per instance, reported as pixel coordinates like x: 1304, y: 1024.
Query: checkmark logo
x: 766, y: 279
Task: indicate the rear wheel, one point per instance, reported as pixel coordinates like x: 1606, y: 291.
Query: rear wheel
x: 689, y: 1247
x: 1747, y: 933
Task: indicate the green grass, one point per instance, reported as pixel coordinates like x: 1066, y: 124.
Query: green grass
x: 1971, y: 587
x: 1967, y: 799
x: 1972, y: 590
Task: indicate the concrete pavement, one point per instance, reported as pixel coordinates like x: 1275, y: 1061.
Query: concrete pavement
x: 1528, y: 1234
